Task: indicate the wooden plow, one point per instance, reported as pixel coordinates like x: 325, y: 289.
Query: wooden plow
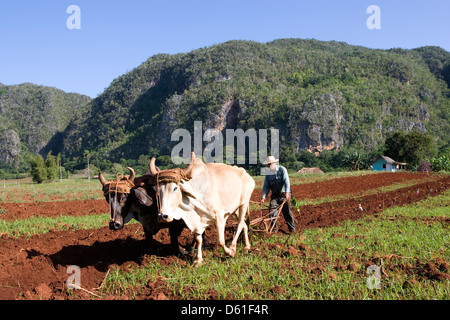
x: 266, y: 220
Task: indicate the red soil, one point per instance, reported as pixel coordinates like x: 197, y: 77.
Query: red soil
x: 20, y: 211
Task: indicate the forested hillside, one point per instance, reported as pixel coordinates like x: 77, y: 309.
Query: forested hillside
x: 30, y: 116
x: 321, y: 95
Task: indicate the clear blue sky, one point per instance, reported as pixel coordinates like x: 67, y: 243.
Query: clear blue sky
x: 117, y: 36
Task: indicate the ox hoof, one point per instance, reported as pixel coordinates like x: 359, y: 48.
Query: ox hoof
x: 198, y: 263
x: 182, y: 253
x: 232, y: 252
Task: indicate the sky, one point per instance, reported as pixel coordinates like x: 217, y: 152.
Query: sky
x: 38, y: 43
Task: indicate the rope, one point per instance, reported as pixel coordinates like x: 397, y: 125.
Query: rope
x: 171, y: 175
x: 120, y: 185
x: 166, y: 176
x: 158, y: 195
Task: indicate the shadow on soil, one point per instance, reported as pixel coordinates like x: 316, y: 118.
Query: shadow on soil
x: 101, y: 255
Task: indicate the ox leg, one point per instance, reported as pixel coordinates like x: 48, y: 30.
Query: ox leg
x: 198, y: 240
x: 149, y: 241
x: 242, y: 225
x: 220, y: 224
x: 175, y: 231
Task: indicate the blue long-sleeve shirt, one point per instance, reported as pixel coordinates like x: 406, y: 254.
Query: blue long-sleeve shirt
x: 278, y: 182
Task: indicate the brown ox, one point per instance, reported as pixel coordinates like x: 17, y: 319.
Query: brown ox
x: 129, y: 198
x: 207, y: 194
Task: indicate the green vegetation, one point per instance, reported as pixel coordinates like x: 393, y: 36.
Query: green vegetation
x: 32, y: 118
x: 319, y: 94
x: 441, y: 163
x: 41, y: 170
x: 69, y: 189
x: 38, y: 170
x: 40, y: 225
x: 413, y: 147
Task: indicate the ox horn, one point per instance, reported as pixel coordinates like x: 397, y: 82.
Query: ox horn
x: 132, y: 174
x: 152, y: 167
x: 188, y: 169
x: 102, y: 178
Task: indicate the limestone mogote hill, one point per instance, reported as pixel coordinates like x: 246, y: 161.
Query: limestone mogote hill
x: 320, y: 95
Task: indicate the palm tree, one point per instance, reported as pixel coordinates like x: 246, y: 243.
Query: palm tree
x: 354, y: 160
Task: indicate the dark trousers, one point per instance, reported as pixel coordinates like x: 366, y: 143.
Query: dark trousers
x: 275, y: 202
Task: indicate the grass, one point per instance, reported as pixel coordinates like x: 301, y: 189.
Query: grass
x: 24, y: 190
x: 324, y: 263
x: 41, y: 225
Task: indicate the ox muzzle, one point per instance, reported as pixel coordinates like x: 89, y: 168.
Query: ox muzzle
x: 115, y: 225
x: 162, y: 217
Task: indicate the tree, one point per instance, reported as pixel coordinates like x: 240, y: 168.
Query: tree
x: 38, y: 169
x: 355, y: 160
x: 395, y: 146
x: 45, y: 170
x: 446, y: 74
x: 331, y: 160
x: 51, y: 166
x: 412, y: 147
x: 309, y: 159
x: 441, y: 163
x: 116, y: 168
x: 420, y: 147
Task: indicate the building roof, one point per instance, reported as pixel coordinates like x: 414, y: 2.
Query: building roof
x: 310, y: 170
x: 389, y: 160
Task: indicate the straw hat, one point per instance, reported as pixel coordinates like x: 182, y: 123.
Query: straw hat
x: 271, y: 159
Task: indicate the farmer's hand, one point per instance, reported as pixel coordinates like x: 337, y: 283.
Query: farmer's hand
x: 262, y: 201
x: 287, y: 196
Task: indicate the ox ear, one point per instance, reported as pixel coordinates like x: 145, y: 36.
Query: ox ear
x: 143, y: 197
x: 185, y: 188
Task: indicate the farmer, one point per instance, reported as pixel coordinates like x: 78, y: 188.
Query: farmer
x: 278, y: 183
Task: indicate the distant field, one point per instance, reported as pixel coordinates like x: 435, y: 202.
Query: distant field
x: 24, y: 190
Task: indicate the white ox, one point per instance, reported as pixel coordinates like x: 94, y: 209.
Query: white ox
x: 213, y: 192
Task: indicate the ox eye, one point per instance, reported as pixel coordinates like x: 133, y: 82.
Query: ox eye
x: 175, y: 188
